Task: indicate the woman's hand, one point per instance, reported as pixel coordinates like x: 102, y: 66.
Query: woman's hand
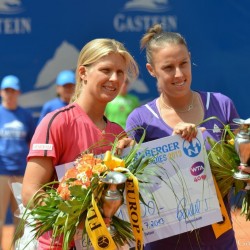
x: 187, y: 131
x: 245, y: 169
x: 124, y: 143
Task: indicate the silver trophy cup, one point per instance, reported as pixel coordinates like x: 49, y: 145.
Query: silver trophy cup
x: 112, y: 198
x: 242, y: 147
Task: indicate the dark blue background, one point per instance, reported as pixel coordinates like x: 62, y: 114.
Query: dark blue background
x: 217, y: 32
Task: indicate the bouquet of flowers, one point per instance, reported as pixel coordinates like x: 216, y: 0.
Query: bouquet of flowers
x: 82, y: 199
x: 224, y: 162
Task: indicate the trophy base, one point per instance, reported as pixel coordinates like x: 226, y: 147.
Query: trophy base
x: 241, y: 176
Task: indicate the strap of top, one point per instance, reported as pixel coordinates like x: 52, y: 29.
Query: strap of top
x: 151, y: 110
x: 208, y: 100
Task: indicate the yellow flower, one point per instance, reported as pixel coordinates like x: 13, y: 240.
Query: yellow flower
x: 231, y: 141
x: 112, y: 162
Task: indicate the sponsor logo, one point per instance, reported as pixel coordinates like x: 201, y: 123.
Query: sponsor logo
x: 14, y: 129
x: 42, y: 147
x: 103, y: 242
x: 147, y: 5
x: 216, y: 129
x: 197, y: 168
x: 15, y: 124
x: 10, y: 7
x: 139, y: 15
x: 13, y: 25
x: 193, y: 148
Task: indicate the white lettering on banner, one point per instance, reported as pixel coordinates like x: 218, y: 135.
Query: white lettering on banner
x: 14, y: 26
x: 42, y: 146
x: 141, y: 23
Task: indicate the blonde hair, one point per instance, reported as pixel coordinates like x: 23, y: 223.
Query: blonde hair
x: 95, y: 50
x: 157, y: 37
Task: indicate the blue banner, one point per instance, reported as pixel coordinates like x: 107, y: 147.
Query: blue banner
x: 40, y: 38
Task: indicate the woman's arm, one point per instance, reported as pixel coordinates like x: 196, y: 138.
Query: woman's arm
x: 39, y: 171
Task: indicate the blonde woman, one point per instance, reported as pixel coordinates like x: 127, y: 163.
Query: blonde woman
x: 102, y: 67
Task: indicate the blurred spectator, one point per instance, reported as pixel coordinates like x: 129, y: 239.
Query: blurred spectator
x: 16, y: 130
x: 65, y: 86
x: 119, y: 109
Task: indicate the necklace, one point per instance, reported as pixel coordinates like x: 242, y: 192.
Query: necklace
x: 105, y: 124
x: 102, y: 125
x: 190, y: 106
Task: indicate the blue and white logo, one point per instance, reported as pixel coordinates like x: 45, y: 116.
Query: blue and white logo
x: 10, y: 7
x: 147, y: 5
x: 193, y: 148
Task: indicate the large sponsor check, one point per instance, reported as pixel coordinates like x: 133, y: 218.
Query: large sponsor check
x: 186, y: 199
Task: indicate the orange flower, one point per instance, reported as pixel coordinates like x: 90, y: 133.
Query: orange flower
x: 63, y: 191
x: 65, y: 194
x: 84, y: 168
x: 90, y: 159
x: 82, y: 173
x: 99, y: 168
x: 71, y: 173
